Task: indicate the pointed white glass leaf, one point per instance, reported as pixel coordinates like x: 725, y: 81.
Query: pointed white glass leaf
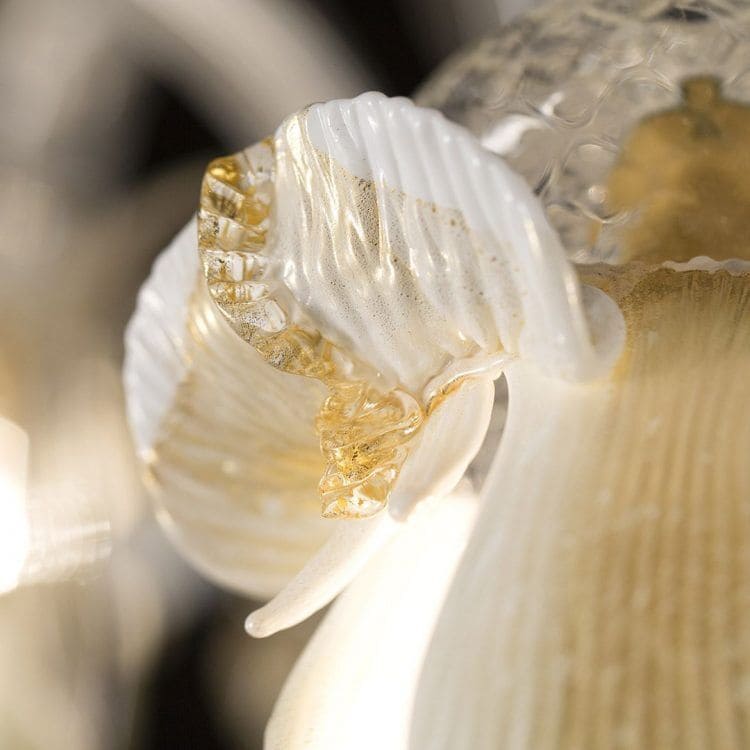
x: 354, y: 684
x: 157, y: 350
x: 325, y: 575
x: 448, y: 442
x: 228, y: 442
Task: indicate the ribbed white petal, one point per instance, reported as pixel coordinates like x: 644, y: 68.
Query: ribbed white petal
x: 409, y: 245
x: 603, y: 600
x: 446, y: 445
x: 157, y: 349
x: 354, y: 684
x: 228, y: 441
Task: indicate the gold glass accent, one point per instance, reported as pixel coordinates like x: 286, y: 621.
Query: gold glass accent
x: 363, y: 436
x: 685, y: 173
x: 364, y: 431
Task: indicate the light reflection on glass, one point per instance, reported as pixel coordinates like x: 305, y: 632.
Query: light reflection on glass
x: 14, y: 527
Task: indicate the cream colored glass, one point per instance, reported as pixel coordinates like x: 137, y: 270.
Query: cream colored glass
x: 377, y: 250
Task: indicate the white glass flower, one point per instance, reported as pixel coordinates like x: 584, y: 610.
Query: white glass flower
x: 309, y: 374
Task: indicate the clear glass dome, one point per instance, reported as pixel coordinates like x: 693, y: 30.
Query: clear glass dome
x: 558, y: 92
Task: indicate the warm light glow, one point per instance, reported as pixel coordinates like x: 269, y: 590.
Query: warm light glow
x: 14, y: 526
